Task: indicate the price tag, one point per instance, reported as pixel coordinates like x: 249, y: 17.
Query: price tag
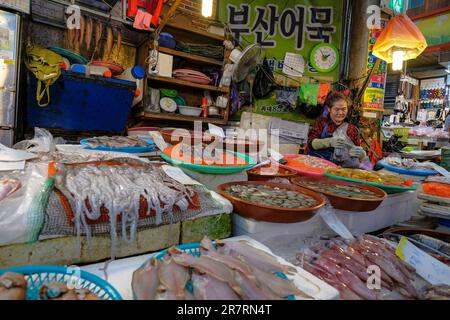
x: 159, y: 141
x: 179, y: 175
x: 429, y: 268
x: 275, y: 155
x: 216, y: 131
x: 329, y: 217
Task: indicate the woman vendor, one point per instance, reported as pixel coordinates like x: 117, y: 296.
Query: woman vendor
x: 322, y: 143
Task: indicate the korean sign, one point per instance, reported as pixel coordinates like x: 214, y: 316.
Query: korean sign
x: 281, y: 27
x: 285, y: 26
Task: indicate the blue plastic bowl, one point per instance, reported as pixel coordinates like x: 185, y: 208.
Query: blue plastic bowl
x: 37, y: 276
x: 166, y: 40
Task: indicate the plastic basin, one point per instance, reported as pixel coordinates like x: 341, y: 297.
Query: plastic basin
x: 272, y: 214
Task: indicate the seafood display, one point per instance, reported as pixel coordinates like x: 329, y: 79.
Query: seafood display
x: 8, y: 186
x: 308, y: 164
x: 341, y: 190
x: 60, y: 291
x: 118, y: 190
x: 227, y: 270
x: 116, y: 142
x: 441, y: 292
x: 402, y: 163
x: 372, y: 176
x: 272, y: 196
x: 203, y: 155
x: 13, y: 286
x: 344, y: 265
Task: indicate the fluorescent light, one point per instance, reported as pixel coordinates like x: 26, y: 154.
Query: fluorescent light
x: 207, y: 8
x: 397, y: 64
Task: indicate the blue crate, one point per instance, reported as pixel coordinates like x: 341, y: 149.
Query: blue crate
x: 82, y: 103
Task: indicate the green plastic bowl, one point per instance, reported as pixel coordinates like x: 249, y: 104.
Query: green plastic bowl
x: 385, y: 187
x: 213, y: 169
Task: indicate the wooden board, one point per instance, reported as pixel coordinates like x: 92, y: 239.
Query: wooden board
x: 187, y: 84
x: 179, y: 117
x: 190, y: 57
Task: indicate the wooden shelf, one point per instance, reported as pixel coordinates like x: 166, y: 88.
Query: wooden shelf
x: 179, y: 117
x: 188, y: 84
x: 196, y: 31
x: 191, y: 57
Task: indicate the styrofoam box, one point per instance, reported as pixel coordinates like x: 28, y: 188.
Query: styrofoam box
x: 396, y: 208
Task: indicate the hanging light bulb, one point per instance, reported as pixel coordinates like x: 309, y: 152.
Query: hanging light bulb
x: 398, y: 58
x: 207, y: 8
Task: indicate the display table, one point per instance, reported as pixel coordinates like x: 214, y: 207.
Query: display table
x: 120, y: 273
x: 284, y: 239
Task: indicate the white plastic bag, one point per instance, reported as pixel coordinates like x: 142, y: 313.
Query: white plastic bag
x: 227, y: 75
x: 14, y: 224
x: 42, y: 142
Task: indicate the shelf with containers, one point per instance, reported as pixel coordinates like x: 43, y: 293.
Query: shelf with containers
x: 192, y: 93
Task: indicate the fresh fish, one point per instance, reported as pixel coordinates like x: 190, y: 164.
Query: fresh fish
x: 162, y: 293
x: 207, y: 244
x: 8, y: 186
x: 348, y: 278
x: 441, y: 292
x: 145, y: 281
x: 231, y: 262
x: 173, y: 276
x: 56, y: 291
x: 251, y: 291
x: 283, y: 288
x: 436, y: 244
x: 209, y: 288
x: 13, y: 286
x: 255, y: 257
x: 206, y: 265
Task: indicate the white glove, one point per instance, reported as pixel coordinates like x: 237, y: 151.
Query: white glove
x: 357, y: 152
x: 319, y: 144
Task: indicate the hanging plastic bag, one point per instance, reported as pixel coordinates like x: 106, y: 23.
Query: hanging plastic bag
x: 309, y: 93
x: 264, y: 81
x: 287, y: 97
x: 46, y: 66
x: 401, y: 34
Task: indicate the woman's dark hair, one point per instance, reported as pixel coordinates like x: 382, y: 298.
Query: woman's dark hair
x: 336, y: 96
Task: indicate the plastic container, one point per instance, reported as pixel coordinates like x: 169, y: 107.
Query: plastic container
x: 213, y: 169
x: 342, y: 202
x: 135, y: 74
x: 99, y: 71
x: 38, y: 276
x: 273, y: 214
x: 190, y: 111
x: 167, y: 40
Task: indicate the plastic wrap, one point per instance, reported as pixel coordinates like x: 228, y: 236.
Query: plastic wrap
x: 15, y: 224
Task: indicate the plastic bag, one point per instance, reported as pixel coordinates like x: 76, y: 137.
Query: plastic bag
x: 15, y: 222
x: 287, y: 97
x: 42, y: 142
x: 227, y: 75
x: 402, y: 33
x: 309, y: 93
x: 264, y: 81
x: 342, y: 155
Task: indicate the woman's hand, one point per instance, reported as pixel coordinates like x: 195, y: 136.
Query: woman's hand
x: 319, y: 144
x: 357, y: 152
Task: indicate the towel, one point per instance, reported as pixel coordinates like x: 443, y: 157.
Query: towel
x: 142, y: 20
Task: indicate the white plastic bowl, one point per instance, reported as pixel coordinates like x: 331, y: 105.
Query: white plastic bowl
x: 190, y: 111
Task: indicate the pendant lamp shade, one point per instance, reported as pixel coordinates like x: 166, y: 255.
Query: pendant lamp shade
x: 400, y: 35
